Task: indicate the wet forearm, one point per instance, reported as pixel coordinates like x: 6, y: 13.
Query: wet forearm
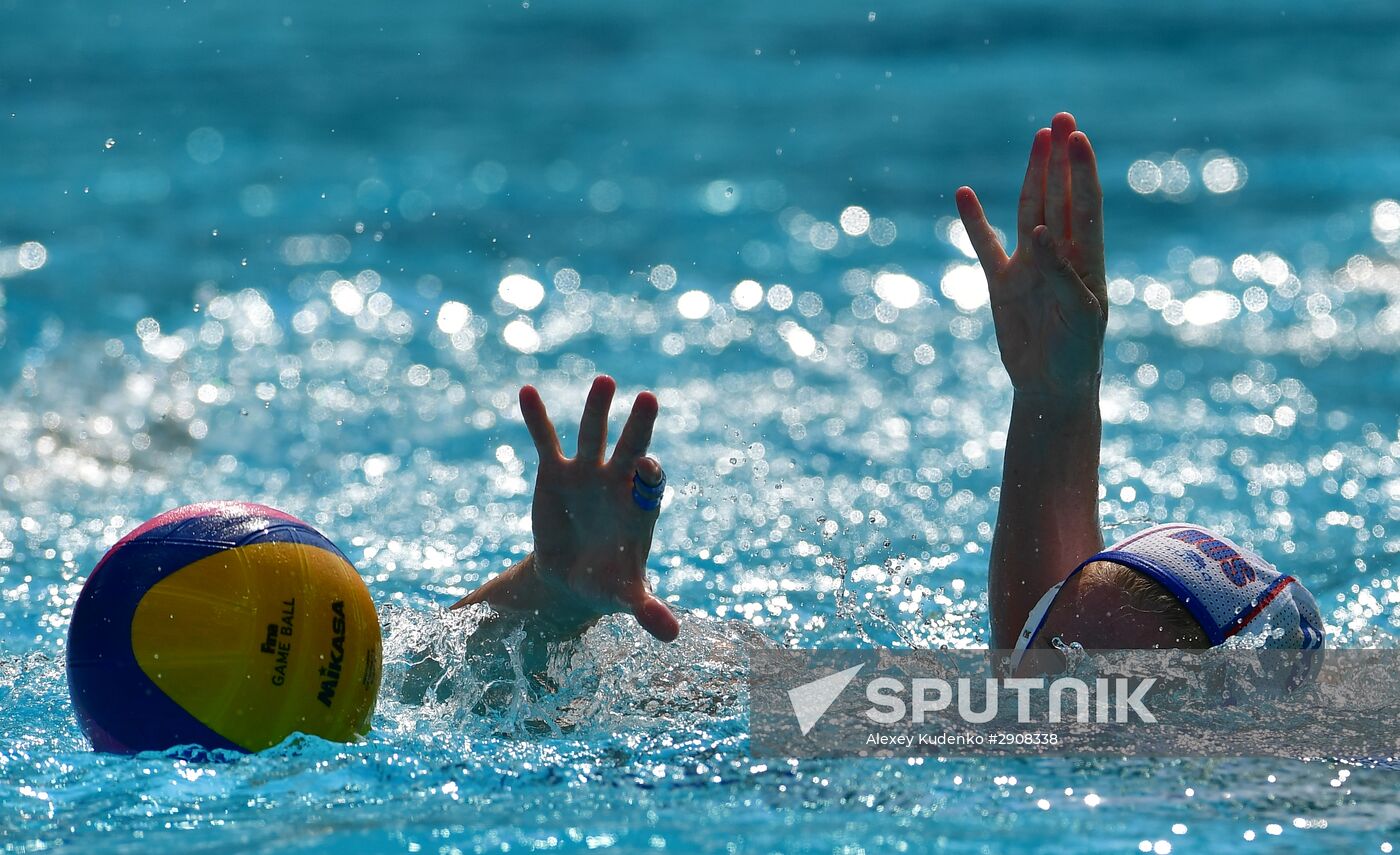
x: 525, y: 594
x: 1047, y: 519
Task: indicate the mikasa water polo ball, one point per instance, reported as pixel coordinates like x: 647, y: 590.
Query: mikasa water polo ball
x: 227, y: 625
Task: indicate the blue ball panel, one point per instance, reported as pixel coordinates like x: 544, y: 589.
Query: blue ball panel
x: 103, y: 674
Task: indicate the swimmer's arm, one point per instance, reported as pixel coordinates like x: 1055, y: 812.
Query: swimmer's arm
x: 1050, y: 309
x: 529, y: 597
x: 1047, y: 520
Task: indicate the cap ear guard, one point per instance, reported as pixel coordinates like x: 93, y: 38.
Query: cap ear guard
x: 1036, y: 620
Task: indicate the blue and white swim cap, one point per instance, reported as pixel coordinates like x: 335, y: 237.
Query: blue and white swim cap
x: 1229, y: 590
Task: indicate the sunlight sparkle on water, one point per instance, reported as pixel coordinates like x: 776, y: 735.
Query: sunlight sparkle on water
x: 521, y: 291
x: 747, y: 295
x: 855, y: 221
x: 453, y: 316
x: 1210, y: 307
x: 898, y: 289
x: 965, y: 285
x: 694, y: 305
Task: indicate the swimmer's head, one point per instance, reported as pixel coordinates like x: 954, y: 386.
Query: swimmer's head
x: 1173, y: 587
x: 1107, y: 606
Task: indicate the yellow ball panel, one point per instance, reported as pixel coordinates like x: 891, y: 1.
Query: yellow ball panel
x: 263, y: 640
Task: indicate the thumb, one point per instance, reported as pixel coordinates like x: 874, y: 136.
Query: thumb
x: 656, y: 618
x: 1076, y: 301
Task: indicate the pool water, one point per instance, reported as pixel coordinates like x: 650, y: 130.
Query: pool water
x: 305, y: 254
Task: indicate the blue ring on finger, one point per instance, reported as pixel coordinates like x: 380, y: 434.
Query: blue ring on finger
x: 648, y: 496
x: 648, y: 489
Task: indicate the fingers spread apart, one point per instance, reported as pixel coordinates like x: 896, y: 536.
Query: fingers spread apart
x: 593, y: 427
x: 636, y: 433
x: 980, y: 232
x: 540, y: 427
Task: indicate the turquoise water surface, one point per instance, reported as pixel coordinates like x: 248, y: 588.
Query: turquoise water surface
x: 304, y: 254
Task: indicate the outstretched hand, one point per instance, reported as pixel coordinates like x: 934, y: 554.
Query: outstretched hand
x: 592, y: 536
x: 1050, y: 297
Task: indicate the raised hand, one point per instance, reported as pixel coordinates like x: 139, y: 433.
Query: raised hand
x: 593, y: 521
x: 1049, y: 298
x: 592, y: 535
